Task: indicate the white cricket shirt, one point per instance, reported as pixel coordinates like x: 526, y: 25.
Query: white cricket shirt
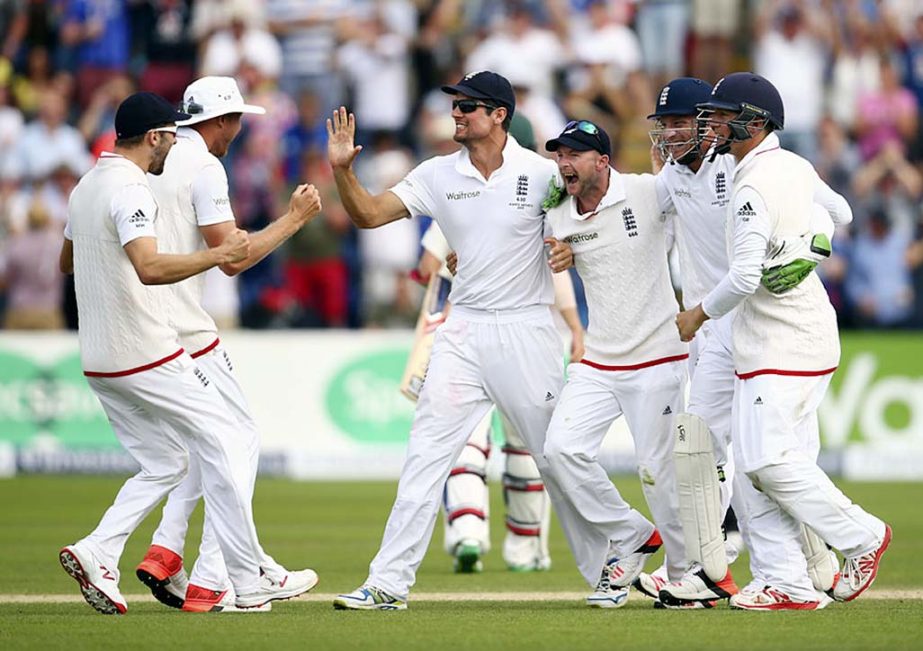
x: 123, y: 323
x: 620, y: 251
x: 495, y: 225
x: 191, y: 192
x: 700, y: 201
x: 794, y: 333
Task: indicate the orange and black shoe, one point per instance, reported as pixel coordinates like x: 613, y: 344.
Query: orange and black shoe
x: 162, y: 571
x: 205, y: 600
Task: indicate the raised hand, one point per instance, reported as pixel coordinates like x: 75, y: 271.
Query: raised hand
x: 305, y: 203
x: 559, y: 254
x: 341, y: 135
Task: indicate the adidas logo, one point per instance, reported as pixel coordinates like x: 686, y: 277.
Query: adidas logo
x: 758, y: 401
x: 746, y: 211
x: 667, y: 411
x: 549, y: 397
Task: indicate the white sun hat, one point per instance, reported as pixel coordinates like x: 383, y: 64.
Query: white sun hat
x: 209, y: 97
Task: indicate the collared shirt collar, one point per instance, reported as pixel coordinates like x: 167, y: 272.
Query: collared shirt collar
x: 769, y: 143
x: 465, y: 167
x: 111, y: 158
x: 193, y: 136
x: 614, y: 195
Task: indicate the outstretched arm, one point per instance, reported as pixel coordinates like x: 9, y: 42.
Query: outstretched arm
x: 365, y: 209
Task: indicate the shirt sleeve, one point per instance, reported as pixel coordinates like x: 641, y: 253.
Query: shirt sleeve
x: 134, y: 210
x: 662, y: 186
x: 751, y: 238
x: 415, y: 190
x: 833, y: 203
x: 68, y: 235
x: 821, y: 221
x: 210, y: 196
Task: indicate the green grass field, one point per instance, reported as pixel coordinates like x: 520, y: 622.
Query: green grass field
x: 336, y: 527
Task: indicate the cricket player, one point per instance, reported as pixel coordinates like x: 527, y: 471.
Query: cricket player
x: 498, y: 344
x: 163, y: 408
x: 633, y: 365
x: 695, y: 184
x: 466, y: 497
x: 195, y: 213
x: 786, y: 347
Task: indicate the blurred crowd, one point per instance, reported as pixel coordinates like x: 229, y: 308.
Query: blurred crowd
x: 850, y: 72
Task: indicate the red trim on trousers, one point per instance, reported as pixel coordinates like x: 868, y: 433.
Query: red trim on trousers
x: 777, y: 371
x: 137, y: 369
x: 531, y: 488
x: 635, y: 367
x: 508, y: 450
x: 210, y: 347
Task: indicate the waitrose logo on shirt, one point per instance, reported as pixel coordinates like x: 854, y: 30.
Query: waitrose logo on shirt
x: 457, y: 196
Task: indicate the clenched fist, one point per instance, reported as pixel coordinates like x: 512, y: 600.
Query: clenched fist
x: 305, y: 203
x: 235, y: 247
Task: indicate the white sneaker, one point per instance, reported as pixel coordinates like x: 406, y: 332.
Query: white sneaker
x: 859, y: 572
x: 755, y: 585
x: 650, y: 584
x: 368, y: 597
x: 606, y: 595
x: 770, y: 598
x: 98, y: 584
x: 291, y: 585
x: 696, y: 587
x: 468, y: 557
x: 203, y: 600
x: 626, y: 570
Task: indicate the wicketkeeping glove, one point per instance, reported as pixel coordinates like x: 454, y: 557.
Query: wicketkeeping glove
x: 780, y: 278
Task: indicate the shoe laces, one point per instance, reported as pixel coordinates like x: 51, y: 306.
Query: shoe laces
x: 856, y: 569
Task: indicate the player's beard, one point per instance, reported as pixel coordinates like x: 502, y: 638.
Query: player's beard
x: 159, y: 157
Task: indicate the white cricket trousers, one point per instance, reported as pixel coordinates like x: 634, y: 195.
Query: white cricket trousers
x: 592, y: 512
x: 711, y: 398
x: 158, y: 415
x: 209, y: 570
x: 479, y: 358
x: 776, y: 438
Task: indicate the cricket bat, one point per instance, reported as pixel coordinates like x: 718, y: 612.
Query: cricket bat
x: 433, y: 312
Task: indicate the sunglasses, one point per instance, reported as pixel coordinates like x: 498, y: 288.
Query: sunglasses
x: 584, y: 125
x: 192, y: 108
x: 470, y: 105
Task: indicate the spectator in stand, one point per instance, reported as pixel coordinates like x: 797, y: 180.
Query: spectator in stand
x: 169, y: 47
x: 886, y: 116
x: 39, y: 76
x: 516, y: 39
x: 97, y: 30
x: 662, y: 26
x: 792, y: 43
x: 96, y: 123
x: 316, y: 276
x: 375, y: 62
x: 856, y: 55
x: 33, y: 282
x: 714, y: 25
x: 307, y: 135
x: 878, y: 281
x: 308, y: 33
x: 890, y: 181
x: 541, y: 112
x: 838, y: 158
x: 49, y: 141
x: 11, y: 122
x: 244, y: 37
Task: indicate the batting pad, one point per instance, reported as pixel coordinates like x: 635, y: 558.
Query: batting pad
x: 821, y: 567
x: 699, y: 495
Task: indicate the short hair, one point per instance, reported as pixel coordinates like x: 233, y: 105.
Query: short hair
x: 130, y: 142
x: 508, y: 120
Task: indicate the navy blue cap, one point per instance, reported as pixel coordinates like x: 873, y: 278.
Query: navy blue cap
x: 485, y: 85
x: 746, y: 90
x: 681, y: 96
x: 141, y: 112
x: 582, y: 135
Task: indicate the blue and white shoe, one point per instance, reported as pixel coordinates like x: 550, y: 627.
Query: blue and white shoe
x: 368, y: 597
x: 607, y: 595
